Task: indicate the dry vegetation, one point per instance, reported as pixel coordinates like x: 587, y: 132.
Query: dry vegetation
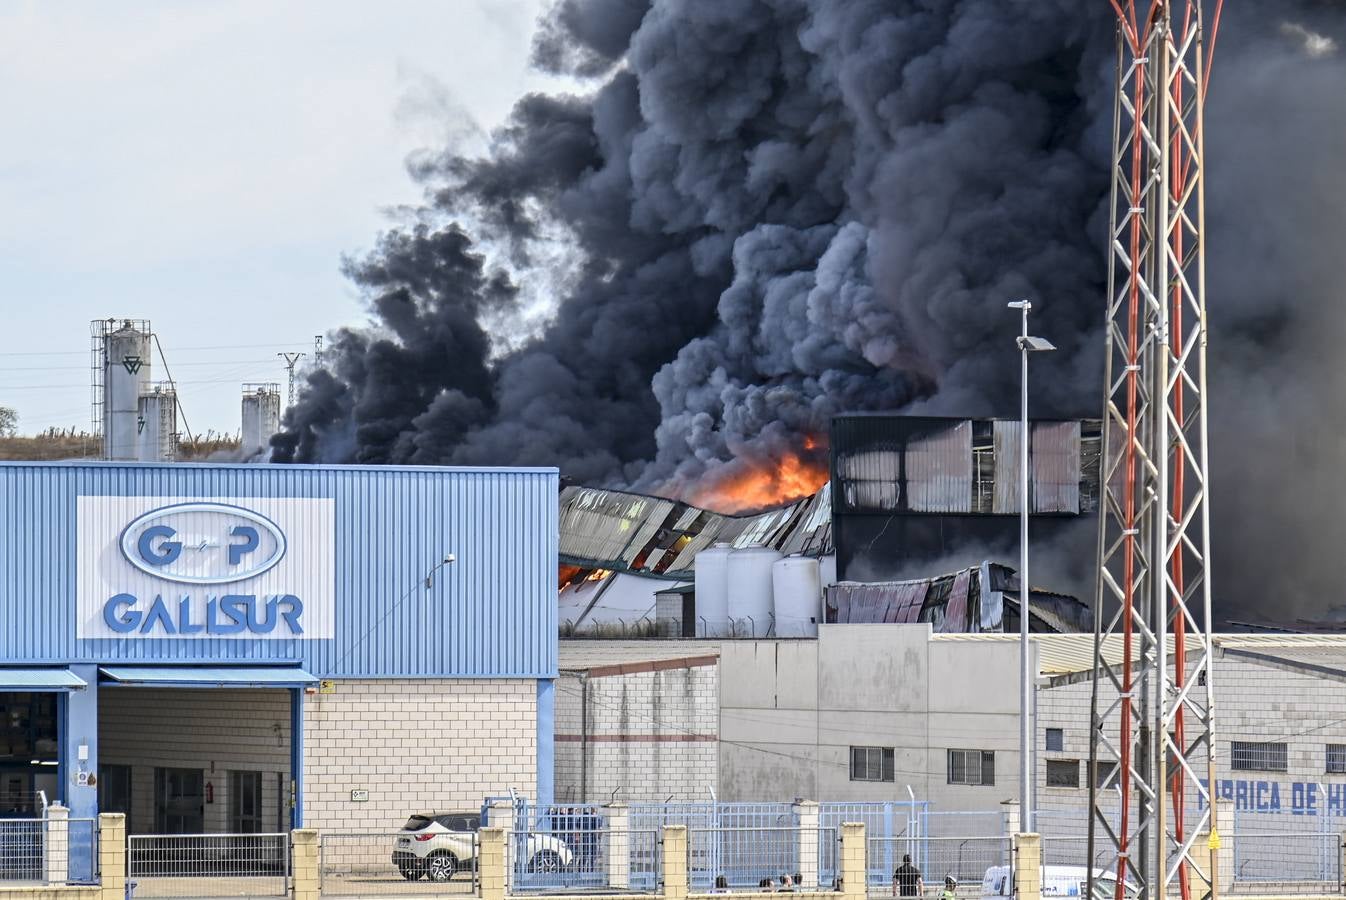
x: 72, y: 443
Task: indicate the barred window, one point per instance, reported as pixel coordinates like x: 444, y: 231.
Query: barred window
x: 972, y: 767
x: 1336, y: 759
x: 1063, y: 773
x: 872, y: 764
x: 1258, y: 756
x: 1056, y: 739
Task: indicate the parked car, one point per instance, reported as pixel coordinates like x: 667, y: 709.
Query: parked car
x: 1057, y: 881
x: 439, y: 845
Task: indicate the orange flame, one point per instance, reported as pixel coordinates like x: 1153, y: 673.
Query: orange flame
x: 744, y: 486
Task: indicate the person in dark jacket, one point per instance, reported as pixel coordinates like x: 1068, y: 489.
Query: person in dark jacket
x: 907, y: 880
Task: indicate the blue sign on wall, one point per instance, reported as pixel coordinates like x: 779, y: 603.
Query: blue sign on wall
x: 1297, y: 798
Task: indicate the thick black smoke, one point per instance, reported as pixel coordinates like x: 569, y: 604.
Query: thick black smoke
x: 775, y: 210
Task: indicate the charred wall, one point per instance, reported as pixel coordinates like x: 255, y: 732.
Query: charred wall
x: 913, y: 495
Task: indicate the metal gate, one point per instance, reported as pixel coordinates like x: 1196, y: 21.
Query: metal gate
x: 183, y: 866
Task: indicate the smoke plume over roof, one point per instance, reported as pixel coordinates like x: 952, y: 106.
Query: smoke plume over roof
x: 764, y: 212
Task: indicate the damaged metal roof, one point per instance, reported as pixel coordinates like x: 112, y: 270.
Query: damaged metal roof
x: 638, y: 533
x: 970, y: 600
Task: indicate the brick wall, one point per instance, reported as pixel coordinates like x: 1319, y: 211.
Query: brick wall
x: 651, y: 734
x: 415, y: 745
x: 1254, y: 702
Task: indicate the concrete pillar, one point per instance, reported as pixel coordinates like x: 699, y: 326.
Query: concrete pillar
x: 305, y: 861
x: 854, y: 867
x: 56, y: 846
x: 112, y: 856
x: 674, y: 862
x: 810, y: 838
x: 500, y: 814
x: 1028, y: 866
x: 1224, y: 857
x: 491, y: 868
x: 1009, y: 818
x: 617, y: 817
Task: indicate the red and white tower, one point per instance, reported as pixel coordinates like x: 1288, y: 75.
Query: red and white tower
x: 1152, y: 708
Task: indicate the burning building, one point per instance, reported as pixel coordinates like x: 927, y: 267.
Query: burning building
x: 912, y: 495
x: 931, y: 502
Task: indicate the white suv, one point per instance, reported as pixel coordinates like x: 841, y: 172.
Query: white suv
x: 439, y: 845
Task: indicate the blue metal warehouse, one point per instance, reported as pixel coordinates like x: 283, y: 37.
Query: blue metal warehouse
x: 221, y: 647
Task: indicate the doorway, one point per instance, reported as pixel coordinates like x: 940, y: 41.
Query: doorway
x: 245, y: 802
x: 114, y: 791
x: 179, y: 801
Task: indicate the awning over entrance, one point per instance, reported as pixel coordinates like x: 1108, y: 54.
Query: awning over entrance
x: 26, y: 680
x: 206, y: 677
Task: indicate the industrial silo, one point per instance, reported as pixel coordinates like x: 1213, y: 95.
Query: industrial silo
x: 712, y: 591
x: 750, y: 605
x: 798, y: 592
x: 124, y: 371
x: 157, y: 425
x: 261, y: 417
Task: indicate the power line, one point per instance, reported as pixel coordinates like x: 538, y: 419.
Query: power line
x: 176, y: 349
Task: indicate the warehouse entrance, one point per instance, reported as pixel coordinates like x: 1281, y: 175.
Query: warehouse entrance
x: 194, y: 755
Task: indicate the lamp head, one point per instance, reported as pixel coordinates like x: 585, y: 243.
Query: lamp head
x: 1035, y: 344
x: 1020, y: 304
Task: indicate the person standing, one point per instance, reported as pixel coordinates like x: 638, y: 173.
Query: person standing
x: 950, y: 891
x: 907, y: 880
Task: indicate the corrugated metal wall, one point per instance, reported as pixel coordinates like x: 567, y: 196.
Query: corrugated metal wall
x: 491, y: 613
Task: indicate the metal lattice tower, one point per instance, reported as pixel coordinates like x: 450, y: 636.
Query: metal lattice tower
x: 1152, y: 713
x: 291, y: 360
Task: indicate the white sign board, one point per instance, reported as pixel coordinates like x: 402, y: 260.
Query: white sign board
x: 236, y: 568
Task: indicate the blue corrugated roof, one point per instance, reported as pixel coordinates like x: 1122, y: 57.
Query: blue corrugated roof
x: 40, y: 680
x: 208, y: 676
x: 492, y: 613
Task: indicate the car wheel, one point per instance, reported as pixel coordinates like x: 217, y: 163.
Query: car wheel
x: 441, y: 866
x: 545, y: 861
x: 410, y: 873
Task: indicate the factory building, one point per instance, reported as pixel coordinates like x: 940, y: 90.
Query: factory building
x: 866, y: 711
x: 247, y: 648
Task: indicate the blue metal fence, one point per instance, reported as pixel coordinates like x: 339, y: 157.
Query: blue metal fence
x: 893, y: 822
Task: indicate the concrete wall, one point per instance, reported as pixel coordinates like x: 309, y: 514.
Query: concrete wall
x: 791, y: 711
x: 415, y: 746
x: 649, y: 732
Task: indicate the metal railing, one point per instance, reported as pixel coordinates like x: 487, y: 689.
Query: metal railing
x: 1072, y: 850
x: 396, y: 863
x: 48, y: 851
x: 209, y: 865
x: 1297, y: 862
x: 964, y: 859
x: 749, y: 858
x: 551, y: 861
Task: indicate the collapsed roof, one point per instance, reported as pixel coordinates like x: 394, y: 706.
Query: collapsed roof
x: 628, y: 532
x: 972, y: 600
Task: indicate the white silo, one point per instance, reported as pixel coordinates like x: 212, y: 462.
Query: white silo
x: 750, y: 604
x: 157, y: 425
x: 261, y: 417
x: 125, y: 375
x: 798, y: 592
x: 712, y: 591
x: 827, y: 569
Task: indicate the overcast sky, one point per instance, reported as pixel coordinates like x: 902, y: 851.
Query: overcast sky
x: 205, y: 165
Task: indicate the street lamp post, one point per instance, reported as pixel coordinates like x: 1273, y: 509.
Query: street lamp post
x: 1027, y: 344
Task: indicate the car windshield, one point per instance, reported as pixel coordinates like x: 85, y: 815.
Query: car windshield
x: 416, y: 823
